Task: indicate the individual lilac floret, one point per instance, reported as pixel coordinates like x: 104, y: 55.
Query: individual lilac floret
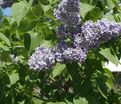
x: 42, y: 58
x: 68, y: 13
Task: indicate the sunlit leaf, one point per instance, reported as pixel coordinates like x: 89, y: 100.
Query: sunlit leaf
x: 108, y: 55
x: 20, y: 9
x: 5, y: 39
x: 58, y: 69
x: 80, y: 101
x: 4, y: 47
x: 85, y: 8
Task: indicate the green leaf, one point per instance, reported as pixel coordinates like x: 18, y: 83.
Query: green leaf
x: 46, y: 7
x: 6, y: 21
x: 81, y: 85
x: 20, y: 9
x: 109, y: 78
x: 37, y: 100
x: 102, y: 87
x: 23, y: 102
x: 45, y: 2
x: 36, y: 40
x: 2, y: 72
x: 58, y: 69
x: 110, y: 4
x: 116, y: 3
x: 109, y: 83
x: 109, y: 73
x: 109, y: 17
x: 85, y: 8
x: 26, y: 25
x: 56, y: 103
x: 80, y: 101
x: 14, y: 77
x: 5, y: 79
x: 108, y: 55
x: 27, y: 41
x: 91, y: 99
x: 93, y: 14
x: 4, y: 47
x: 50, y: 15
x: 37, y: 11
x: 53, y: 2
x: 5, y: 39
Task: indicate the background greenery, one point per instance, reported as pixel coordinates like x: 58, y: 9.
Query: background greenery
x: 32, y: 23
x: 1, y: 14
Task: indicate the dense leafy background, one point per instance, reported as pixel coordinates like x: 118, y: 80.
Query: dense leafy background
x: 32, y: 23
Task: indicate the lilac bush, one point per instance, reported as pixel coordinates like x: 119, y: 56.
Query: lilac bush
x: 72, y: 70
x: 74, y: 39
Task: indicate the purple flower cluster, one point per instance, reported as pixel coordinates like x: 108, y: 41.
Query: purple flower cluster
x: 42, y: 58
x: 74, y: 40
x: 74, y: 54
x: 108, y: 29
x: 87, y: 36
x: 5, y: 3
x: 65, y: 53
x: 68, y: 12
x: 92, y: 34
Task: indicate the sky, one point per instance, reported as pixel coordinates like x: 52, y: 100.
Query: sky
x: 7, y: 11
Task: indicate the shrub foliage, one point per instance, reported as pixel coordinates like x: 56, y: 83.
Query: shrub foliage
x: 33, y: 24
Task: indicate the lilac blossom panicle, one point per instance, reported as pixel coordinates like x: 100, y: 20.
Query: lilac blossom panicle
x: 87, y: 37
x: 94, y: 33
x: 42, y: 58
x: 108, y: 29
x: 83, y: 37
x: 68, y: 13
